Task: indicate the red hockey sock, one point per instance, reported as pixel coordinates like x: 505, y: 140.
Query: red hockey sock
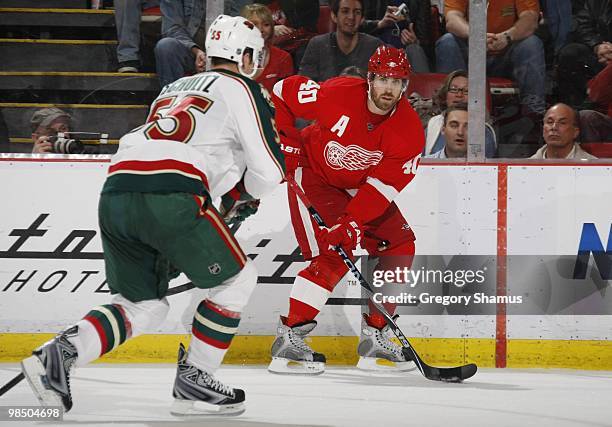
x: 299, y: 313
x: 398, y: 257
x: 375, y: 318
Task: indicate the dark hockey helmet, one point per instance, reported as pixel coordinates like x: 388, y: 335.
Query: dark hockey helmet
x: 390, y: 62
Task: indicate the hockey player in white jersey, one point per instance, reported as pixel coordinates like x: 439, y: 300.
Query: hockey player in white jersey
x: 209, y: 135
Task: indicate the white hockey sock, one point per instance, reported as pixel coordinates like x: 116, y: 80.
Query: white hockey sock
x: 211, y: 335
x: 205, y: 356
x: 108, y: 326
x: 86, y: 342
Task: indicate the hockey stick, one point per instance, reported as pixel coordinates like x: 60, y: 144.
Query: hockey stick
x: 172, y: 291
x: 12, y: 383
x: 456, y: 374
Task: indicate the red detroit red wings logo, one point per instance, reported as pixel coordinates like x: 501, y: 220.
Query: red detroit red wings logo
x: 352, y: 157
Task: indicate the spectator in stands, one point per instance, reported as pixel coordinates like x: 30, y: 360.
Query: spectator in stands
x: 595, y: 126
x: 558, y: 20
x: 45, y: 123
x: 234, y: 7
x: 454, y: 91
x: 455, y: 132
x: 560, y: 131
x: 600, y: 88
x: 127, y: 21
x: 295, y: 24
x: 328, y: 54
x: 512, y: 48
x: 410, y: 30
x: 181, y: 50
x: 277, y: 63
x: 589, y: 53
x: 353, y: 71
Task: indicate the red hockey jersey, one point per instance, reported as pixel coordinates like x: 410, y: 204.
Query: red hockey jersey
x: 343, y: 148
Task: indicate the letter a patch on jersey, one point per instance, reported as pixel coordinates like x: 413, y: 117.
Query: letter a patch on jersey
x: 340, y: 126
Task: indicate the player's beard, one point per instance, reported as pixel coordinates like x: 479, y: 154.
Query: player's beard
x: 381, y: 103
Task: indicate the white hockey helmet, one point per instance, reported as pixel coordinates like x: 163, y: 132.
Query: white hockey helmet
x: 230, y: 36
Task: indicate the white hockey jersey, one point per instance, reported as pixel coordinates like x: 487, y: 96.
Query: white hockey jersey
x: 203, y: 133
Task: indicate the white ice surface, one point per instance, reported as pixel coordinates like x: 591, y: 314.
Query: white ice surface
x: 140, y: 395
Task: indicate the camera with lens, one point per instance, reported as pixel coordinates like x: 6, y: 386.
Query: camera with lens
x: 401, y: 10
x: 63, y: 145
x: 403, y: 14
x: 72, y: 142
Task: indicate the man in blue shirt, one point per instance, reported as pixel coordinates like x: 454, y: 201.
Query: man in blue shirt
x: 455, y: 131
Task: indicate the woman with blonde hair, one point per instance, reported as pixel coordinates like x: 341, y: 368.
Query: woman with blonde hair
x: 277, y: 63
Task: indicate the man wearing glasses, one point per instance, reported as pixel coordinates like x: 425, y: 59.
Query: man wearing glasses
x: 454, y: 91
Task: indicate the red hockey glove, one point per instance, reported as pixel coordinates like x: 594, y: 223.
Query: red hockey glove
x: 237, y: 204
x: 346, y: 233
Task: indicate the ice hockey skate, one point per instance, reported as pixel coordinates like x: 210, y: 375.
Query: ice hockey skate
x: 378, y: 353
x: 291, y: 354
x: 48, y: 370
x: 196, y: 392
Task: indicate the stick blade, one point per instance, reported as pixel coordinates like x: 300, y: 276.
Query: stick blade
x: 458, y: 374
x: 450, y: 375
x: 468, y: 371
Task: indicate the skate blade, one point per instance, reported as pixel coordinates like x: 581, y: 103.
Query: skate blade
x: 34, y: 372
x: 280, y: 365
x: 383, y: 365
x: 196, y: 408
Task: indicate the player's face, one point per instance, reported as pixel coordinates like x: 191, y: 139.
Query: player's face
x: 385, y: 92
x: 248, y: 66
x: 456, y: 132
x: 349, y: 17
x: 457, y: 91
x: 559, y: 128
x: 266, y: 28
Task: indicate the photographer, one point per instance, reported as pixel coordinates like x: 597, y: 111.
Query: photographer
x: 403, y: 24
x: 47, y: 123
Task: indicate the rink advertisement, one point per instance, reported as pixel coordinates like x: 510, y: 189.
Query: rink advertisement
x: 540, y: 239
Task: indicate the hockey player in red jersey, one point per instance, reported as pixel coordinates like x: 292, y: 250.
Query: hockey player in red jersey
x: 361, y: 151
